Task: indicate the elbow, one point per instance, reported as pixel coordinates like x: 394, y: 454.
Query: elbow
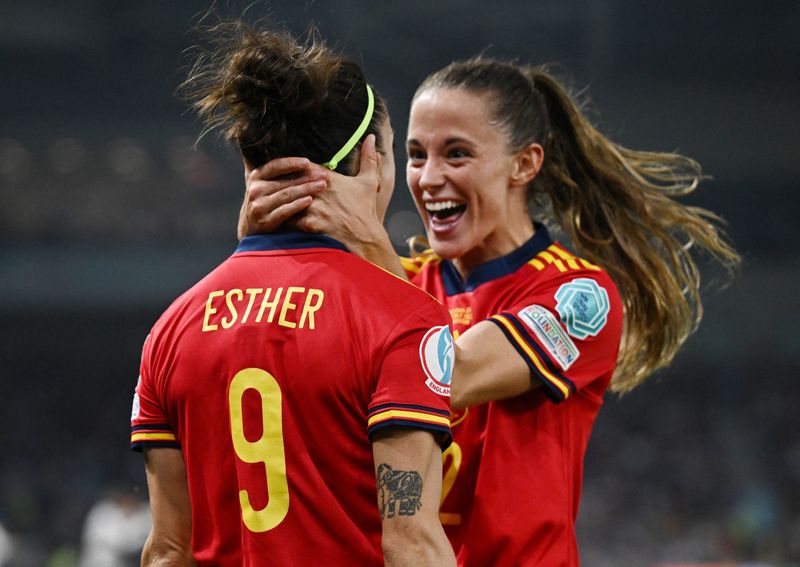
x: 458, y: 400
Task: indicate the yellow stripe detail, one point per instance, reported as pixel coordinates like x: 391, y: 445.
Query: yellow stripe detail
x: 538, y: 363
x: 553, y: 260
x: 589, y: 265
x: 573, y: 262
x: 153, y: 437
x: 404, y: 414
x: 538, y: 264
x: 569, y: 258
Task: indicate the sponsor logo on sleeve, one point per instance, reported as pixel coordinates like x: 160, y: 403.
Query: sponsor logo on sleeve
x: 437, y: 356
x: 583, y: 307
x: 550, y: 334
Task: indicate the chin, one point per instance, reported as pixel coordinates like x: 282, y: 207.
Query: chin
x: 445, y: 249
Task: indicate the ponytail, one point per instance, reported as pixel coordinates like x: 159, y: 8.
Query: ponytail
x: 618, y: 207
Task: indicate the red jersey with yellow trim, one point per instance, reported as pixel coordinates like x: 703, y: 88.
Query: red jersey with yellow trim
x: 513, y: 473
x: 270, y: 375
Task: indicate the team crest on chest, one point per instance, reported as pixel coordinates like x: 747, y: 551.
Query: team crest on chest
x: 583, y: 307
x: 461, y: 315
x: 436, y: 353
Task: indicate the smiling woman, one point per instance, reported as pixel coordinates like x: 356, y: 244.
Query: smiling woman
x: 469, y: 187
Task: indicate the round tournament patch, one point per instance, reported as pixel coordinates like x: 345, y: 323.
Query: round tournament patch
x: 437, y: 355
x: 583, y: 307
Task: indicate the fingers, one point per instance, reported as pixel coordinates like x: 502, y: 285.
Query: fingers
x: 270, y: 194
x: 284, y: 212
x: 284, y: 172
x: 267, y: 212
x: 278, y: 167
x: 368, y: 165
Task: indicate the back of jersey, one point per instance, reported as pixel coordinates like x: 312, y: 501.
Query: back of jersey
x: 270, y: 375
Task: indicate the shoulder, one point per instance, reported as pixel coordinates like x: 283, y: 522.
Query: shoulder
x: 556, y: 266
x: 580, y: 293
x: 388, y: 291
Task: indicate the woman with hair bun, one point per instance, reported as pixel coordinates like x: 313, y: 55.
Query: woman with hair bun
x: 495, y: 150
x: 286, y: 390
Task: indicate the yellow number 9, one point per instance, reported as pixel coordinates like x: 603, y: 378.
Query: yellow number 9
x: 268, y: 449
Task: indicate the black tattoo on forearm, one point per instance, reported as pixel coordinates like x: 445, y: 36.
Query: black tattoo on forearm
x: 399, y: 492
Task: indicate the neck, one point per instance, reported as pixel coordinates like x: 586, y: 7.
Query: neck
x: 494, y: 248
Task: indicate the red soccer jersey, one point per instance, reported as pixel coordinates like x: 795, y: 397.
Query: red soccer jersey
x: 270, y: 375
x: 513, y: 474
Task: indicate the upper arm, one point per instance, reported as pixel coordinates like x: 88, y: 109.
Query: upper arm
x: 564, y: 338
x: 170, y: 539
x: 487, y: 368
x: 408, y: 474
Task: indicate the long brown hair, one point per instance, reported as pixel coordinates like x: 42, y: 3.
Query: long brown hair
x: 617, y: 205
x: 274, y: 96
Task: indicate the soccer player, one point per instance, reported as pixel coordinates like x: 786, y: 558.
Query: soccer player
x: 542, y: 332
x: 293, y: 405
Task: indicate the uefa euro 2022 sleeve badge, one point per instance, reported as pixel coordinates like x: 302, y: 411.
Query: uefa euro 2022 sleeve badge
x: 437, y: 356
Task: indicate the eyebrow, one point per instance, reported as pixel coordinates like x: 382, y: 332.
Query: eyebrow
x: 447, y: 142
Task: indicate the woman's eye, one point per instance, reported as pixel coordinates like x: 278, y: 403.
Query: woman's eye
x: 415, y: 154
x: 458, y: 153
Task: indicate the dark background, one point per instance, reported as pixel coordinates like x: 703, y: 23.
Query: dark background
x: 107, y: 213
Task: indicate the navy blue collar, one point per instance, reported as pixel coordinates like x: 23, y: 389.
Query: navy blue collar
x: 293, y: 240
x: 496, y: 268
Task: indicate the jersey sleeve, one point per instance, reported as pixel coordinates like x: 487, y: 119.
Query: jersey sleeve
x: 149, y: 424
x: 568, y: 332
x: 414, y: 374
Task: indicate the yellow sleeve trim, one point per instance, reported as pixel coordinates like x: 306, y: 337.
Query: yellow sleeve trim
x: 153, y: 437
x: 404, y: 414
x: 532, y: 355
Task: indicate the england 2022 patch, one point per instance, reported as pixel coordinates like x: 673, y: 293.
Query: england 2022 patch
x: 583, y: 307
x: 437, y: 355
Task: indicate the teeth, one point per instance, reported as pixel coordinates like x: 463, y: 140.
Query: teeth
x: 441, y: 206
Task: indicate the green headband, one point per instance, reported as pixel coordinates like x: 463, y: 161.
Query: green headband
x: 351, y: 143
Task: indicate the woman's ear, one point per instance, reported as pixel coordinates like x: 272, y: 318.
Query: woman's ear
x: 527, y: 163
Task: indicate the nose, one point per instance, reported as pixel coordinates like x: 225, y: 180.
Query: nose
x: 432, y: 174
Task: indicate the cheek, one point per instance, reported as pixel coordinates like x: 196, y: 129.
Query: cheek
x: 411, y: 178
x: 412, y: 182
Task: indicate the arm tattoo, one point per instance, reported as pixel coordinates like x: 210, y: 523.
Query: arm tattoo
x: 399, y: 492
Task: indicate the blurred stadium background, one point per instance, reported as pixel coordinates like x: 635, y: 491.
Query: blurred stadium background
x: 107, y: 213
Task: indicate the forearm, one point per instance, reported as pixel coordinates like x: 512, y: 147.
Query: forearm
x: 426, y: 547
x: 487, y: 368
x: 158, y: 553
x: 170, y: 541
